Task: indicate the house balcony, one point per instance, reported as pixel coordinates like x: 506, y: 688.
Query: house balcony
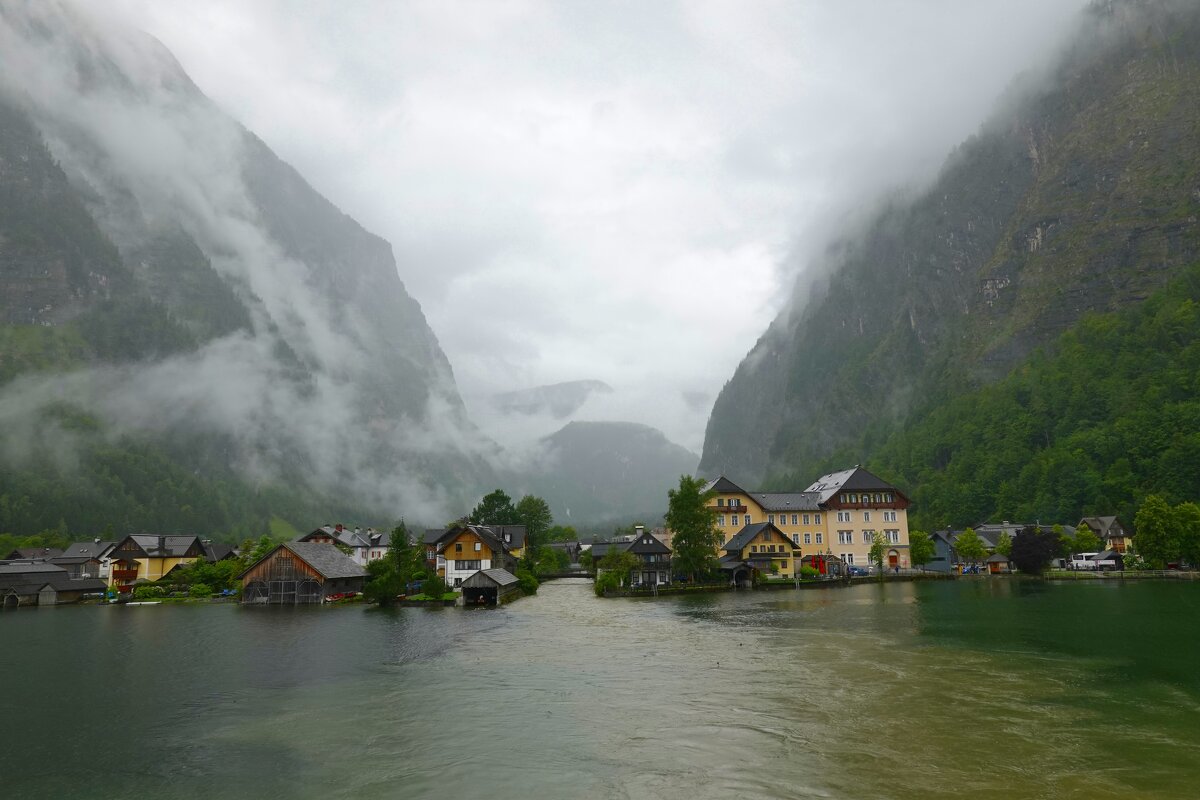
x: 124, y: 574
x: 737, y: 509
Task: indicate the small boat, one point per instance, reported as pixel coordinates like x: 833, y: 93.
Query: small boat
x: 143, y: 603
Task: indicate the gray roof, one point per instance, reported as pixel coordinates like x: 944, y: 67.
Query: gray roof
x: 35, y: 553
x: 496, y: 577
x: 747, y: 533
x: 30, y: 578
x: 997, y: 558
x: 647, y: 543
x: 722, y: 485
x: 156, y: 546
x: 88, y: 549
x: 788, y: 501
x: 326, y: 559
x: 854, y: 479
x: 1105, y: 527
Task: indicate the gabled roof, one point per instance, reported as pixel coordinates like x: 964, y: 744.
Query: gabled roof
x: 855, y: 479
x: 646, y: 543
x: 746, y: 534
x: 326, y: 559
x: 497, y: 577
x: 215, y: 551
x: 722, y: 485
x: 997, y: 558
x: 156, y: 546
x: 26, y: 553
x: 487, y: 534
x: 1105, y: 527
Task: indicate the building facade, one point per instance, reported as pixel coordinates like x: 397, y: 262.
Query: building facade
x: 838, y: 514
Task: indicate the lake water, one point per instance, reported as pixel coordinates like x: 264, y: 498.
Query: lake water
x: 983, y: 688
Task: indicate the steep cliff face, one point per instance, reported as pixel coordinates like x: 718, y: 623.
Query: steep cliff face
x: 184, y: 290
x: 1082, y: 194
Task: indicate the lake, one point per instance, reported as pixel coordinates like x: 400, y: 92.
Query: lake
x: 988, y: 688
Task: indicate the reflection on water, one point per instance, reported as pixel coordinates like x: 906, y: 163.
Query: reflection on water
x: 989, y: 687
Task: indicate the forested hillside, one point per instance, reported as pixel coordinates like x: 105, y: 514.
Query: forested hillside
x: 1079, y: 197
x: 1104, y: 416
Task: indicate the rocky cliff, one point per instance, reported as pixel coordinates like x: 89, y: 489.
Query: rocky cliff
x: 1080, y: 195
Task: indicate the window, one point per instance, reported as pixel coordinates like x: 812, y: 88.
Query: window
x: 808, y: 538
x: 753, y: 548
x: 747, y: 519
x: 458, y: 547
x: 771, y: 518
x: 795, y: 538
x: 868, y: 537
x: 849, y: 558
x: 478, y: 546
x: 845, y: 537
x: 866, y: 516
x: 783, y: 564
x: 472, y: 565
x: 458, y: 581
x: 766, y: 536
x: 806, y: 519
x: 816, y: 519
x: 795, y: 519
x: 818, y: 538
x: 887, y: 497
x: 720, y: 501
x: 843, y: 516
x: 893, y: 536
x: 721, y: 520
x: 889, y: 516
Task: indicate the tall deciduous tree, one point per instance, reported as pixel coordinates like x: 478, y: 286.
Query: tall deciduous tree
x: 495, y: 509
x: 534, y: 513
x: 1154, y: 535
x: 920, y: 548
x: 1086, y: 540
x: 694, y: 528
x: 1033, y: 549
x: 970, y: 547
x: 875, y: 555
x: 1187, y: 531
x: 1004, y: 544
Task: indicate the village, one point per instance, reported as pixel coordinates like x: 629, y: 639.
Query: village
x: 846, y: 526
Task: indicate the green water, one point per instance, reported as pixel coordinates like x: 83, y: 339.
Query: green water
x: 982, y: 688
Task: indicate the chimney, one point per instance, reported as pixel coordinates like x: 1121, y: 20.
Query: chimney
x: 639, y: 529
x: 338, y: 527
x: 97, y: 540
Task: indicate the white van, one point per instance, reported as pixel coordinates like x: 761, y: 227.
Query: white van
x: 1083, y: 561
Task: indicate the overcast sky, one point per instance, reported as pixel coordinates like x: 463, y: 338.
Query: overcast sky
x: 619, y: 191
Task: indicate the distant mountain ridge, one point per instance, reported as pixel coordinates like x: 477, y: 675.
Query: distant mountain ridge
x: 1081, y: 196
x: 609, y: 473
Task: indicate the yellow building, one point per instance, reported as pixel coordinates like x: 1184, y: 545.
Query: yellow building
x: 857, y: 506
x: 762, y: 549
x: 839, y: 514
x: 149, y: 557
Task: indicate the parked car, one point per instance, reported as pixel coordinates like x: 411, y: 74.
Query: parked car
x: 857, y: 572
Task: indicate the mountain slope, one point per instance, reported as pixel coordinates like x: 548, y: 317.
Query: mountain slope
x: 171, y: 291
x: 602, y: 473
x: 1081, y: 195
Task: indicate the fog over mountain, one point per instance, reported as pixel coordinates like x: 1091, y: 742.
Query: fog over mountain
x: 623, y: 192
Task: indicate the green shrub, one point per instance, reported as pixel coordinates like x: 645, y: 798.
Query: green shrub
x: 527, y: 581
x: 807, y: 572
x: 200, y: 590
x: 146, y: 592
x: 434, y: 587
x: 607, y: 581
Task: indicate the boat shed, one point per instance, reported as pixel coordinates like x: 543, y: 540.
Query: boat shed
x: 42, y: 584
x: 301, y: 572
x: 489, y: 587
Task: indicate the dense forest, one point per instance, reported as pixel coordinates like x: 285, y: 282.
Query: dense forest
x: 1092, y: 424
